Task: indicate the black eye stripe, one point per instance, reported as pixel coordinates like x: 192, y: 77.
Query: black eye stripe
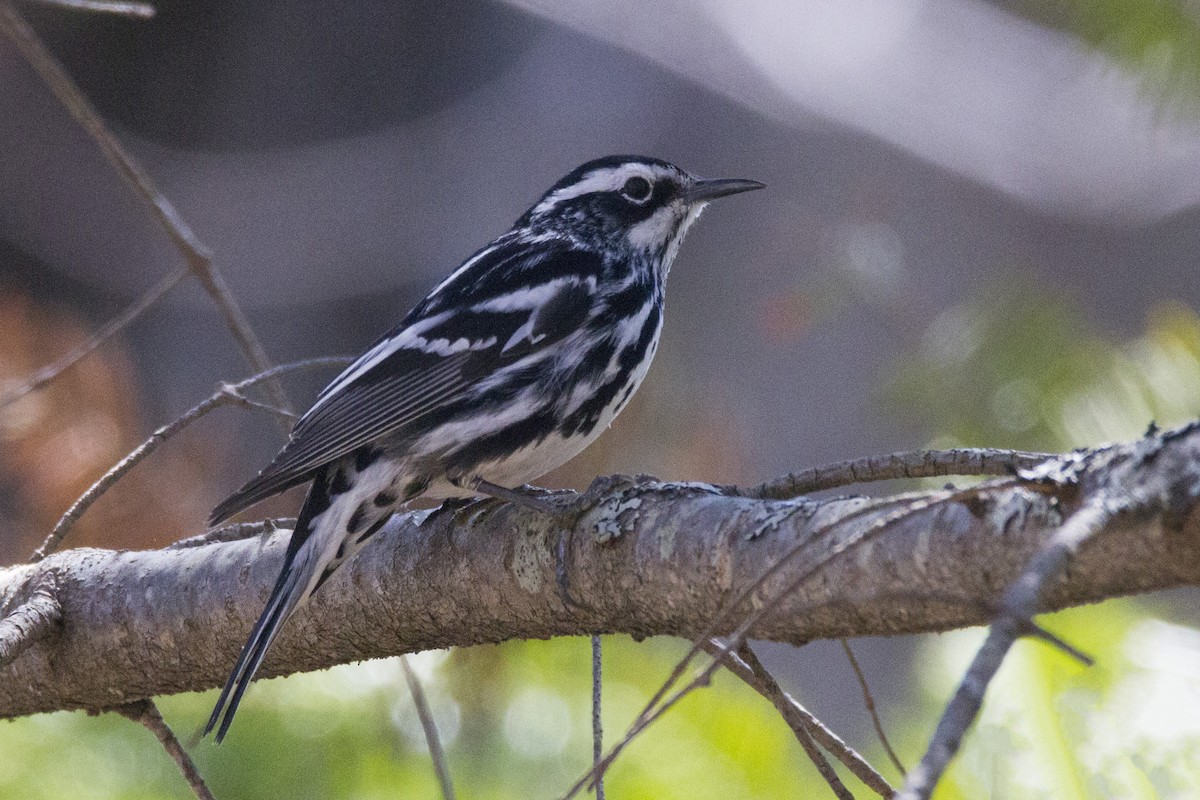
x: 637, y: 189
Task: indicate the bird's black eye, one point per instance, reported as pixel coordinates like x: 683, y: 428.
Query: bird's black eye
x: 637, y: 189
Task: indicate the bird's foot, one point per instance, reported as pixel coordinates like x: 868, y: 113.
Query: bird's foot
x: 531, y: 497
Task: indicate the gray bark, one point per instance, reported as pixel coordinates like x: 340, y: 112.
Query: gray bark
x: 646, y: 558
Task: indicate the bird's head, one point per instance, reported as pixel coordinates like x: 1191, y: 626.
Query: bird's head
x: 629, y: 204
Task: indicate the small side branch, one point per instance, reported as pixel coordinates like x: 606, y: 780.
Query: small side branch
x: 234, y: 533
x: 432, y: 739
x: 869, y: 702
x: 30, y: 621
x: 809, y: 730
x: 597, y: 723
x: 1021, y: 602
x: 145, y: 713
x: 907, y: 464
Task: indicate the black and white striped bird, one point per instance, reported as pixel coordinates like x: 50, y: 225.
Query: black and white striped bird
x: 511, y: 366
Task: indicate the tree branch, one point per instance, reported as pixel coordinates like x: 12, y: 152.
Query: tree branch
x: 646, y: 558
x: 809, y: 730
x: 433, y: 739
x: 894, y: 466
x: 31, y: 620
x: 1020, y: 604
x: 146, y: 714
x: 121, y: 9
x: 869, y: 702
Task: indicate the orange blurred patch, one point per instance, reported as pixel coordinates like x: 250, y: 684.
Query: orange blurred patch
x: 786, y: 317
x: 57, y: 441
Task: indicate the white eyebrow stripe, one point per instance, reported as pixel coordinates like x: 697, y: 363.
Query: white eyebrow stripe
x: 605, y: 179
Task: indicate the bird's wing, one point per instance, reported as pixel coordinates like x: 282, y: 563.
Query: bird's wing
x: 473, y: 325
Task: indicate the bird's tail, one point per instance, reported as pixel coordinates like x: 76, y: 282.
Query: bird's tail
x: 294, y: 586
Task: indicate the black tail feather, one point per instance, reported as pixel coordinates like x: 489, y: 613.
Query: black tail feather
x: 285, y: 597
x: 255, y: 491
x: 251, y: 657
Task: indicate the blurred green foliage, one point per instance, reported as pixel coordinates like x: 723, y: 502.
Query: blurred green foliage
x: 1020, y: 368
x: 515, y: 719
x: 1158, y: 40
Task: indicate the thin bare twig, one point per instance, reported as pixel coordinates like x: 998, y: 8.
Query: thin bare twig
x: 195, y: 253
x: 118, y: 7
x: 234, y: 533
x: 746, y: 666
x: 1038, y: 632
x: 145, y: 713
x: 226, y: 395
x: 30, y: 621
x: 850, y: 758
x: 114, y: 326
x: 657, y: 706
x: 907, y: 464
x: 429, y: 725
x: 1021, y: 602
x: 597, y: 723
x: 869, y: 702
x: 287, y: 415
x: 744, y: 596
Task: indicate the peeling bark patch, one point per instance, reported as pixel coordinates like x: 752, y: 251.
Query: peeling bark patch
x: 769, y: 519
x: 617, y: 515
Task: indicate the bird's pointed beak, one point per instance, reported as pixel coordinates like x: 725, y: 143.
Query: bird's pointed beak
x: 703, y: 191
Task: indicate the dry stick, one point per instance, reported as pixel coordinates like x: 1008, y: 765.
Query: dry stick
x: 650, y: 713
x: 226, y: 395
x: 147, y: 714
x: 30, y: 621
x: 195, y: 253
x: 432, y: 739
x: 234, y: 533
x: 597, y: 723
x: 140, y: 10
x: 746, y: 666
x: 1021, y: 602
x: 907, y: 464
x: 659, y: 703
x: 869, y: 702
x: 1035, y: 631
x: 248, y: 402
x: 783, y: 561
x: 114, y: 326
x: 746, y: 593
x: 796, y: 714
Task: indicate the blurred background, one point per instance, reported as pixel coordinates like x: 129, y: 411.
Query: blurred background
x: 981, y: 228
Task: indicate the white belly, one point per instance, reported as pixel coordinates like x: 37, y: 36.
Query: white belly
x: 535, y: 460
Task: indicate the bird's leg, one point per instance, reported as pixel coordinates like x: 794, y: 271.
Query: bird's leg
x: 563, y: 548
x: 515, y: 496
x: 451, y: 505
